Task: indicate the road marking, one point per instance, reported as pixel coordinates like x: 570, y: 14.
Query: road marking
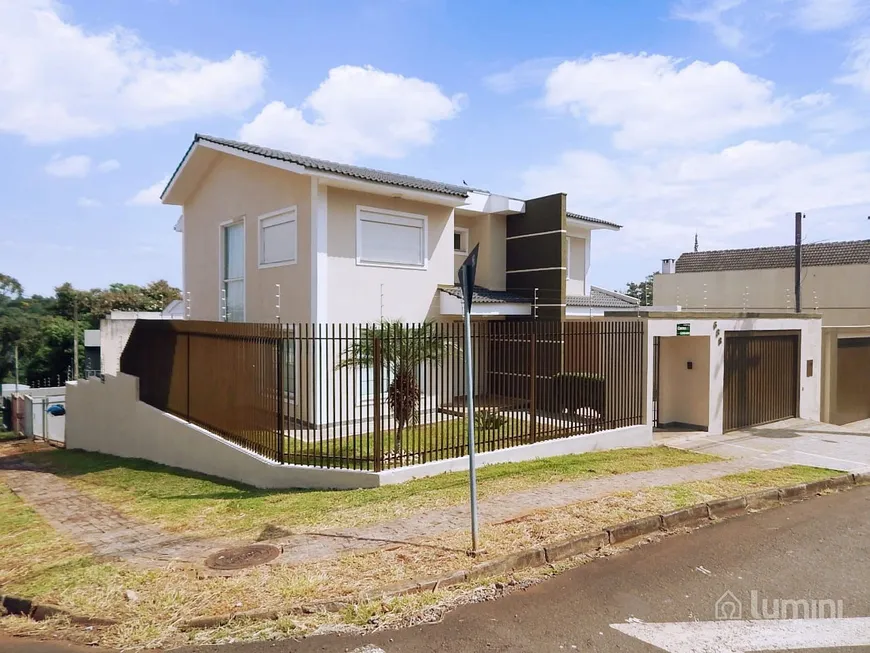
x: 745, y: 636
x: 368, y: 648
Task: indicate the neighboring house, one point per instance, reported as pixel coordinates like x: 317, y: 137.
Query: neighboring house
x: 835, y: 283
x: 269, y: 235
x: 116, y: 327
x: 835, y: 280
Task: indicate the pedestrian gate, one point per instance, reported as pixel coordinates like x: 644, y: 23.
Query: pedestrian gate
x: 761, y: 378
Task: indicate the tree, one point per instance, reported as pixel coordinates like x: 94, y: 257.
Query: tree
x: 10, y: 287
x: 642, y: 291
x: 404, y: 351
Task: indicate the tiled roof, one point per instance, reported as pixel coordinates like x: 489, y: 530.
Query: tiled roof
x: 586, y: 218
x: 814, y: 254
x: 358, y: 172
x: 485, y: 296
x: 598, y: 299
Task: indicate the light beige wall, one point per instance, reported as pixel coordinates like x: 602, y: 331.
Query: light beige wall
x: 234, y: 188
x: 488, y: 231
x: 577, y: 263
x: 715, y: 327
x: 355, y: 290
x: 841, y: 292
x: 109, y: 418
x: 684, y: 394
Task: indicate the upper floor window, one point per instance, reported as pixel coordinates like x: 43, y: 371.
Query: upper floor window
x: 460, y: 240
x: 390, y: 238
x: 278, y: 238
x: 233, y: 271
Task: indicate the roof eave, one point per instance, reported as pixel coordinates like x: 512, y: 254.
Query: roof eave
x: 173, y: 196
x: 590, y: 224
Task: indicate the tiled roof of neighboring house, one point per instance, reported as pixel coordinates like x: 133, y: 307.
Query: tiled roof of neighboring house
x: 358, y: 172
x: 586, y: 218
x: 485, y: 296
x: 598, y: 298
x: 814, y: 254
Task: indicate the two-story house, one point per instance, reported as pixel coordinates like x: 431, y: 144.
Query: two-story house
x: 273, y: 235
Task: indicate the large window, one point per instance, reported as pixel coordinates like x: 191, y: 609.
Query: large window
x: 390, y: 238
x: 233, y: 272
x: 290, y: 369
x: 278, y: 238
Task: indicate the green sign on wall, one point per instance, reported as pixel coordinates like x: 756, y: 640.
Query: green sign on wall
x: 682, y: 329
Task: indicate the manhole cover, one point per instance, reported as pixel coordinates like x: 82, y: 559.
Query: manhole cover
x: 242, y: 557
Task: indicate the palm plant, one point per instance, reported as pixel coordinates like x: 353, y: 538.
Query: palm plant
x: 404, y: 350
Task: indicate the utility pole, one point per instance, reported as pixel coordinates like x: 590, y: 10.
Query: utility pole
x: 798, y: 218
x: 16, y: 367
x: 76, y: 338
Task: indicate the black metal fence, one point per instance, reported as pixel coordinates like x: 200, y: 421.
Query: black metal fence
x: 387, y: 395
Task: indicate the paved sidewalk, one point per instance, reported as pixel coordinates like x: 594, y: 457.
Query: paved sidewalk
x: 106, y: 531
x: 789, y: 442
x: 314, y: 545
x: 109, y: 533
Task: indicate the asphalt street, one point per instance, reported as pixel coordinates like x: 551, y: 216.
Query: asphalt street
x: 803, y: 560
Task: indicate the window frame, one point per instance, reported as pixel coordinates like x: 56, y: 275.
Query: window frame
x: 400, y: 218
x: 464, y: 236
x: 223, y: 313
x: 289, y: 214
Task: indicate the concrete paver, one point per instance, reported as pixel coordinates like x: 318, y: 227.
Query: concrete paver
x: 321, y: 544
x: 95, y: 524
x: 790, y: 442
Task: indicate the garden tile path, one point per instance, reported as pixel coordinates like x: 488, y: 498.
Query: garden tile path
x: 313, y: 545
x: 109, y: 533
x: 91, y: 522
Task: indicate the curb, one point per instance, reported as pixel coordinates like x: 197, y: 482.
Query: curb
x: 587, y: 543
x: 15, y: 605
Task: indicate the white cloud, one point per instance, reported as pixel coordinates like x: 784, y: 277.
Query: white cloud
x: 59, y: 81
x: 109, y: 165
x: 77, y: 165
x: 654, y: 100
x: 746, y: 24
x: 820, y: 15
x: 149, y: 196
x: 88, y: 203
x: 858, y: 65
x: 356, y: 112
x: 526, y: 73
x: 730, y: 196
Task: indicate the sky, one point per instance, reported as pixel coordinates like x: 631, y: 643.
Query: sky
x: 670, y: 117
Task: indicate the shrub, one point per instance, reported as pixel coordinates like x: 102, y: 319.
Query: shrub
x: 487, y: 420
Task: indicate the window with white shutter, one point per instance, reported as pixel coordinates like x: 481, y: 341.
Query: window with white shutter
x: 390, y: 238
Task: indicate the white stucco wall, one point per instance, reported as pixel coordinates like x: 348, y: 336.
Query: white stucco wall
x: 109, y: 418
x: 714, y: 328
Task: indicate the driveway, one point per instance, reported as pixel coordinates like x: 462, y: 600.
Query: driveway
x: 790, y: 442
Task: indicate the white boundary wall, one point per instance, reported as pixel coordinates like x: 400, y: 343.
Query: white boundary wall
x: 715, y: 326
x: 108, y: 417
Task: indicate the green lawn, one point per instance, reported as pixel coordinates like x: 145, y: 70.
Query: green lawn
x: 6, y: 436
x: 192, y: 503
x: 445, y: 438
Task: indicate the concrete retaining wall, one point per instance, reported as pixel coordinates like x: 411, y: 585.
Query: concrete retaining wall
x: 107, y: 417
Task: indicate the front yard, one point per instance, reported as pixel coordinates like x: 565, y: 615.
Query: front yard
x: 203, y: 506
x: 37, y: 562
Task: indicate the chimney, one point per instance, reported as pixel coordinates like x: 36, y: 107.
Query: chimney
x: 669, y: 266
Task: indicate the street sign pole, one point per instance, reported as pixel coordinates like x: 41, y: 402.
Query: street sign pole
x: 466, y: 281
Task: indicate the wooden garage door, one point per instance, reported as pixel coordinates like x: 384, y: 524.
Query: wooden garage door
x: 853, y: 373
x: 761, y: 376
